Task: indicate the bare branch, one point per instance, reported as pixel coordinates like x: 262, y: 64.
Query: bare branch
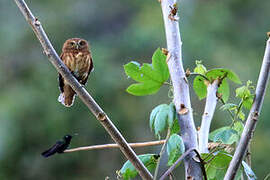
x: 109, y: 146
x: 210, y: 106
x: 253, y: 116
x: 81, y: 92
x: 169, y: 171
x: 180, y: 85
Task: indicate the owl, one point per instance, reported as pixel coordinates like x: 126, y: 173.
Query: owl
x: 77, y: 57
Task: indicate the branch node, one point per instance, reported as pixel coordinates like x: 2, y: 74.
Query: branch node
x: 165, y: 51
x: 187, y: 72
x: 37, y: 22
x: 255, y: 116
x: 172, y: 16
x: 101, y: 116
x: 168, y: 57
x: 219, y: 95
x: 183, y: 110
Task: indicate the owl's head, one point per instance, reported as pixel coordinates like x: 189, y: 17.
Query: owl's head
x: 77, y: 44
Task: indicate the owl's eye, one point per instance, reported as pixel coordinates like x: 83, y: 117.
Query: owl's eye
x: 72, y: 43
x: 82, y: 43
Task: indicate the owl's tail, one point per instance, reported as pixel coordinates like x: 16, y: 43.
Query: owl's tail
x: 67, y: 97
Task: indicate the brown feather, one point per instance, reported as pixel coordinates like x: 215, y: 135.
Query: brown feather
x: 77, y: 57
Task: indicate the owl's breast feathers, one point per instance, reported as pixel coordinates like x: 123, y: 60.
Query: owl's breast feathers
x: 78, y: 63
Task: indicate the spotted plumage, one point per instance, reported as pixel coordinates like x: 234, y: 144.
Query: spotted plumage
x: 77, y: 57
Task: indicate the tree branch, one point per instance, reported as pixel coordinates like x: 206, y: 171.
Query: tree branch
x: 109, y: 146
x: 253, y: 116
x: 81, y: 92
x: 181, y: 87
x: 210, y: 106
x: 169, y: 171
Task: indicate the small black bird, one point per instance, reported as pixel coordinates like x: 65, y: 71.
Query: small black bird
x: 59, y: 146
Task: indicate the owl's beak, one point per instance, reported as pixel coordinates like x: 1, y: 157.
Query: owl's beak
x: 77, y: 45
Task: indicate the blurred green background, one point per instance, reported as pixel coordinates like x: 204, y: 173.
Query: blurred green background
x: 229, y: 34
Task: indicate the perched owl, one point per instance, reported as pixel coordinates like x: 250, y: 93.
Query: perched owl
x: 77, y: 57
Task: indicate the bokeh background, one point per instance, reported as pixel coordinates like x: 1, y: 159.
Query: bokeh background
x: 229, y: 34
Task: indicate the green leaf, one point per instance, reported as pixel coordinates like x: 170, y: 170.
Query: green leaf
x: 248, y: 171
x: 171, y: 114
x: 154, y: 113
x: 132, y: 70
x: 161, y: 121
x: 242, y: 92
x: 226, y: 135
x: 200, y: 87
x: 200, y: 68
x: 175, y: 148
x: 154, y: 76
x: 224, y: 89
x: 241, y: 115
x: 218, y: 166
x: 160, y: 64
x: 128, y: 171
x: 228, y: 106
x: 150, y: 76
x: 162, y: 117
x: 220, y: 72
x: 239, y: 127
x: 175, y: 127
x: 247, y: 103
x: 141, y: 89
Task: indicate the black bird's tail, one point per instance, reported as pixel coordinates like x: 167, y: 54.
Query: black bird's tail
x: 48, y: 153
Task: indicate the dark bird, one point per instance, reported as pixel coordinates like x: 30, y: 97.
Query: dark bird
x: 77, y: 57
x: 58, y: 147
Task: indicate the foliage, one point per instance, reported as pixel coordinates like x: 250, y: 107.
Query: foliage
x: 150, y: 77
x: 200, y: 83
x: 217, y: 165
x: 175, y: 148
x: 128, y: 171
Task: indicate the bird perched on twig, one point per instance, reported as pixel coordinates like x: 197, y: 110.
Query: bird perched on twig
x: 58, y: 147
x: 77, y: 57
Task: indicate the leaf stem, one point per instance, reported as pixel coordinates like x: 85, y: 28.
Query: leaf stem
x: 229, y: 111
x: 161, y: 153
x: 198, y: 74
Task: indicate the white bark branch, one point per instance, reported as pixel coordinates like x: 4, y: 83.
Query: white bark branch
x: 253, y: 116
x: 210, y: 106
x: 81, y: 92
x: 181, y: 87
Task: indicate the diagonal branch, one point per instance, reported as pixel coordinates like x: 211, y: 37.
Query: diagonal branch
x: 109, y: 146
x: 81, y: 92
x: 180, y: 86
x: 253, y: 116
x: 170, y: 170
x: 210, y: 106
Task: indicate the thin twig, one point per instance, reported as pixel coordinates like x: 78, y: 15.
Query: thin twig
x: 198, y: 74
x: 180, y: 86
x: 252, y: 119
x: 169, y: 171
x: 81, y: 92
x: 161, y: 154
x: 109, y: 146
